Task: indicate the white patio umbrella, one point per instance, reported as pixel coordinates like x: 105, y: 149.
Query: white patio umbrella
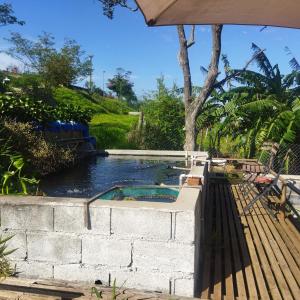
x: 284, y: 13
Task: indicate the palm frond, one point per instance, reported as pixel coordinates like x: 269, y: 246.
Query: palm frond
x: 262, y: 61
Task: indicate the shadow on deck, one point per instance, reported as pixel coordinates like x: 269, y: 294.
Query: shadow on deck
x: 247, y: 257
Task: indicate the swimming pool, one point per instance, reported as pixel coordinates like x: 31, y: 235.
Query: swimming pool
x: 97, y: 175
x: 140, y: 193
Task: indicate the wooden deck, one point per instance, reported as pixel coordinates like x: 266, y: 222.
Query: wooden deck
x: 247, y: 257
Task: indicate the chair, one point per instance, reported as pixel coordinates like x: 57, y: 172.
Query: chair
x: 264, y: 186
x: 254, y: 171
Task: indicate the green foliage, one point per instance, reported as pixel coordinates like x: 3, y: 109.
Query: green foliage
x: 123, y: 86
x: 12, y: 168
x: 27, y: 110
x: 111, y: 130
x: 265, y: 106
x: 64, y: 66
x: 31, y: 85
x: 110, y: 5
x: 42, y: 155
x: 5, y: 268
x: 95, y: 103
x: 7, y: 16
x: 96, y: 292
x: 164, y: 121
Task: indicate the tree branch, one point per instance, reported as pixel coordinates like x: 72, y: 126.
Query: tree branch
x: 191, y: 40
x: 237, y: 72
x: 213, y: 69
x: 184, y: 63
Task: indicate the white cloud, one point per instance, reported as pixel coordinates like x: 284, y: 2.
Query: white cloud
x: 7, y: 61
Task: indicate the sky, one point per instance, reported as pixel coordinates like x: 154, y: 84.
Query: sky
x: 148, y: 52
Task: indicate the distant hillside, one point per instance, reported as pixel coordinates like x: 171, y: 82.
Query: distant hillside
x: 96, y: 103
x: 110, y: 123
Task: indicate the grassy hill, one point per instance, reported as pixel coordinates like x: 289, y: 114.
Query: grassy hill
x: 110, y: 123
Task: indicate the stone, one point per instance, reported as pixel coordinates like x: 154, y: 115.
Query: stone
x: 165, y: 257
x: 184, y: 287
x: 30, y: 217
x: 100, y: 251
x: 33, y: 269
x: 80, y: 272
x: 185, y: 226
x: 141, y: 223
x: 71, y: 219
x: 54, y: 247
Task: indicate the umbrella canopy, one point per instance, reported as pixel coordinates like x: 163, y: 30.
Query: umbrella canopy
x: 285, y: 13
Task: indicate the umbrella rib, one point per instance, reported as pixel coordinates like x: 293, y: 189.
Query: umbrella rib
x: 154, y: 20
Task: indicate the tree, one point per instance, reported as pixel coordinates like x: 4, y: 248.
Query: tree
x: 265, y: 105
x: 164, y: 120
x: 65, y: 66
x: 193, y: 105
x: 7, y: 16
x: 122, y: 85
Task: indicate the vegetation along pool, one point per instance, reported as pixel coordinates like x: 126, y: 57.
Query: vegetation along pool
x: 97, y: 175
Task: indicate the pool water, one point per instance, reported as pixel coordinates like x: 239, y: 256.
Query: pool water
x: 141, y: 193
x: 96, y: 175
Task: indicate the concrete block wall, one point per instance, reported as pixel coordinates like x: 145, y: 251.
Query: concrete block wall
x: 149, y: 248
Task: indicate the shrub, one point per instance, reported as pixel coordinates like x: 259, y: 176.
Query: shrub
x: 25, y: 109
x: 14, y: 176
x: 5, y: 268
x: 45, y: 157
x: 164, y: 122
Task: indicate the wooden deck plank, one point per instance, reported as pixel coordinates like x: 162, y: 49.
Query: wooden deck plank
x: 269, y: 244
x: 281, y: 252
x: 288, y: 241
x: 251, y: 286
x: 251, y: 256
x: 262, y: 287
x: 286, y: 262
x: 237, y: 263
x: 218, y: 247
x: 263, y: 256
x: 229, y: 289
x: 205, y: 286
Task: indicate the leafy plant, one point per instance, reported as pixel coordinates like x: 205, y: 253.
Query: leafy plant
x: 25, y: 109
x: 96, y: 292
x: 5, y: 268
x: 13, y: 180
x: 44, y: 156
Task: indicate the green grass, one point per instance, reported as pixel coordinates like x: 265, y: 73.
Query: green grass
x: 96, y: 103
x: 110, y: 123
x: 111, y: 130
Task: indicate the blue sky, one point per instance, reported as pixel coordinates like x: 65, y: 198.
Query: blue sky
x: 127, y: 42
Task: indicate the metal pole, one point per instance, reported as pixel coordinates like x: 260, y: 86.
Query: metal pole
x: 91, y: 70
x: 103, y: 82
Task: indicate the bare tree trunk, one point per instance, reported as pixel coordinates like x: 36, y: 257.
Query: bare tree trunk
x: 193, y: 106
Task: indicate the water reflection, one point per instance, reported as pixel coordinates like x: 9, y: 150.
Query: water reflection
x: 98, y: 174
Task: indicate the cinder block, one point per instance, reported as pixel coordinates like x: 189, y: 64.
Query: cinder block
x: 18, y: 242
x: 54, y: 247
x: 71, y: 219
x: 79, y: 272
x: 164, y: 257
x: 32, y: 217
x: 184, y: 287
x: 34, y: 269
x: 141, y: 223
x: 99, y: 251
x: 185, y: 226
x: 142, y: 280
